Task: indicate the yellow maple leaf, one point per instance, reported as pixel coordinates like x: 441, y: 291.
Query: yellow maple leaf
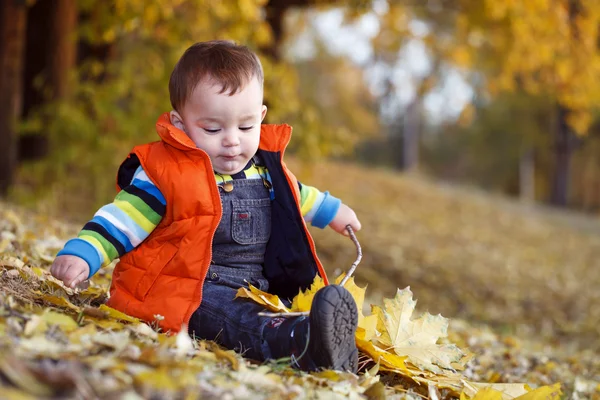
x: 485, y: 394
x: 303, y: 301
x: 367, y: 323
x: 508, y: 391
x: 269, y: 301
x: 387, y: 361
x: 375, y: 335
x: 416, y: 339
x: 543, y: 393
x: 116, y: 314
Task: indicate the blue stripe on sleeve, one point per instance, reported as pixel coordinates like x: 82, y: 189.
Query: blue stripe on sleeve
x: 114, y: 232
x: 86, y: 251
x: 327, y: 211
x: 149, y: 188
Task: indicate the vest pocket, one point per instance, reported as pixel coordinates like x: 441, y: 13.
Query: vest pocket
x: 160, y: 256
x: 251, y: 221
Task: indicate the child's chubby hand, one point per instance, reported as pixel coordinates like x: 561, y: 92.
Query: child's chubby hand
x: 72, y: 270
x: 345, y: 216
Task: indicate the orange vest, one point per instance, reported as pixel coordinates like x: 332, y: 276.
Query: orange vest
x: 165, y: 273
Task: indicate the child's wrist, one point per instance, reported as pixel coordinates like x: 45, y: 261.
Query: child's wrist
x: 84, y: 250
x: 327, y: 211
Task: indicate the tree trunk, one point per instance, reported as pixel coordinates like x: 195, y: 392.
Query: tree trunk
x: 62, y: 49
x: 274, y: 17
x: 527, y: 177
x: 563, y: 146
x: 51, y: 55
x: 410, y: 135
x: 12, y: 42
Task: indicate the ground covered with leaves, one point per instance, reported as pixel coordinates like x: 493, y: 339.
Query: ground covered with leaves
x: 517, y: 283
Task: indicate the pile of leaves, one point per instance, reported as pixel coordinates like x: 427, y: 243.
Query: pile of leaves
x: 409, y: 348
x: 60, y: 342
x: 517, y: 284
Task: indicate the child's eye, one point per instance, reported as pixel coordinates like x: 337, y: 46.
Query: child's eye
x: 246, y: 128
x: 212, y: 130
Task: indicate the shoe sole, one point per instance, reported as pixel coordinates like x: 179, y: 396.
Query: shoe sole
x: 333, y: 321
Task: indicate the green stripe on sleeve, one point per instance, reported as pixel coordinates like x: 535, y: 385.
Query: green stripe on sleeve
x: 108, y: 248
x: 140, y: 206
x: 308, y: 195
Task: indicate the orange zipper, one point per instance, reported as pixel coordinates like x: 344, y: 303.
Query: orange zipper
x: 212, y: 236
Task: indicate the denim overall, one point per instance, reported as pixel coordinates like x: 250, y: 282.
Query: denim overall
x: 239, y: 247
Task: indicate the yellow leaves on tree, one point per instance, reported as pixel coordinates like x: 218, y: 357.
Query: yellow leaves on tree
x: 552, y: 50
x: 541, y: 47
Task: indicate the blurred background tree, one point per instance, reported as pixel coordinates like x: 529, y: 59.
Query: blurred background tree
x: 498, y: 94
x: 531, y: 48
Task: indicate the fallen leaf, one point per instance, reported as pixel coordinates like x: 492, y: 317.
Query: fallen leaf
x: 230, y: 356
x: 543, y: 393
x: 11, y: 262
x: 35, y: 326
x: 367, y: 323
x: 57, y: 301
x: 20, y: 375
x: 416, y: 339
x: 303, y: 300
x: 269, y: 301
x: 111, y: 312
x: 508, y: 391
x: 486, y: 394
x: 65, y: 322
x: 388, y: 361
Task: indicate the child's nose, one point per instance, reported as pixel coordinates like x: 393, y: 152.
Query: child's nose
x: 231, y: 139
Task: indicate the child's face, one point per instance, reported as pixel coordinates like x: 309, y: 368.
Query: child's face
x: 226, y: 127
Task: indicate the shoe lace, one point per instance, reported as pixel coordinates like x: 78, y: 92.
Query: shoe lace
x: 295, y: 360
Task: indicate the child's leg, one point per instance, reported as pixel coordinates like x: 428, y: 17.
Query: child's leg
x: 325, y: 339
x: 233, y: 323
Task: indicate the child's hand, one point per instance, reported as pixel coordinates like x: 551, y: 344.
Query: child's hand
x: 345, y: 216
x: 72, y: 270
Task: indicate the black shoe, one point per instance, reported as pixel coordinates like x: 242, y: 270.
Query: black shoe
x: 330, y: 330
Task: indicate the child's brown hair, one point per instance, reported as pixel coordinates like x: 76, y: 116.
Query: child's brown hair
x: 225, y: 62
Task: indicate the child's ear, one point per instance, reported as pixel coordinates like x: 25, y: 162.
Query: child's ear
x: 176, y: 120
x: 263, y: 113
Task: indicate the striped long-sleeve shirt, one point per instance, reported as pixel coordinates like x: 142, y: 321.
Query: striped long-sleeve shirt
x: 122, y: 225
